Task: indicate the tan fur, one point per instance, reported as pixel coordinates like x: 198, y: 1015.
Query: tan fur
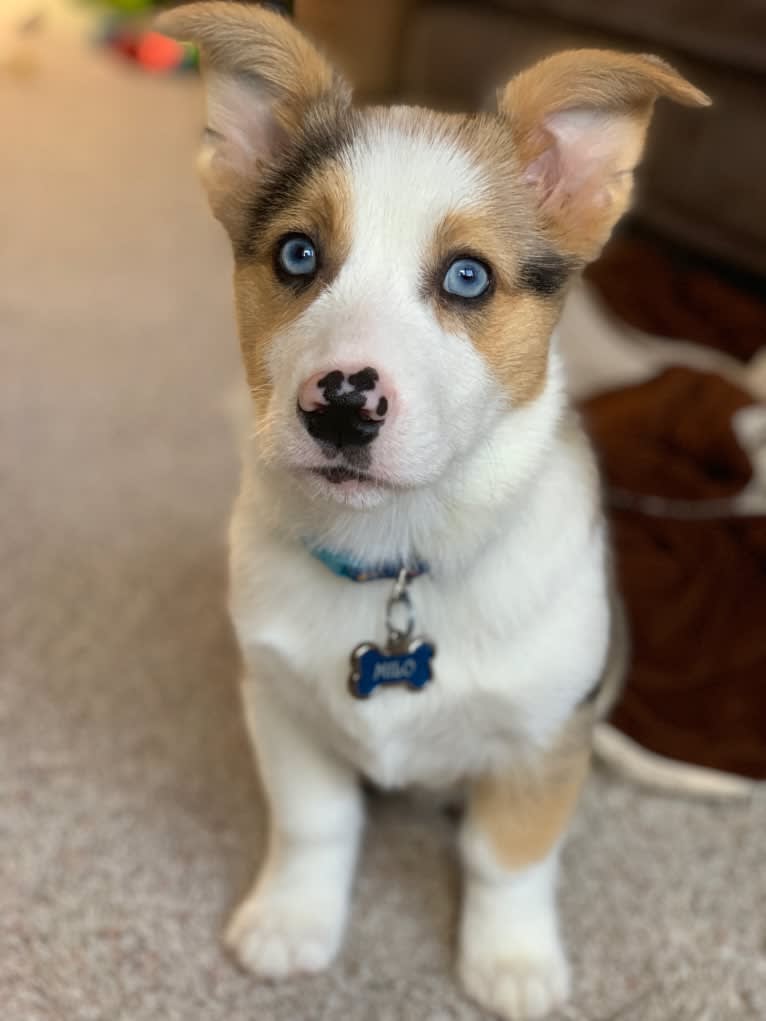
x: 523, y: 815
x: 251, y: 40
x: 512, y: 333
x: 622, y: 87
x: 514, y: 338
x: 598, y: 79
x: 265, y: 305
x: 251, y: 57
x: 475, y: 232
x: 512, y: 330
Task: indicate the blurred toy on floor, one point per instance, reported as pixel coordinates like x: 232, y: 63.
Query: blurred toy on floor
x: 123, y: 26
x: 125, y: 29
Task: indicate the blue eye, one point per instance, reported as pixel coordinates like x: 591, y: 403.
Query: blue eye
x: 297, y: 256
x: 466, y: 278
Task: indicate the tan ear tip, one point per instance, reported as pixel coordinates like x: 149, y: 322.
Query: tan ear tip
x: 186, y: 22
x: 702, y: 98
x: 690, y: 95
x: 171, y: 24
x: 684, y: 92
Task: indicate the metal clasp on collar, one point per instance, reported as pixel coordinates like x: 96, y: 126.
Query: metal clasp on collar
x: 398, y: 606
x: 404, y: 660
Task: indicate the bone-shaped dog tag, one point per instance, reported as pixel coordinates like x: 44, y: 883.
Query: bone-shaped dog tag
x: 404, y: 660
x: 408, y: 665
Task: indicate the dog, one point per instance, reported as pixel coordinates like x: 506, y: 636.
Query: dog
x: 420, y: 571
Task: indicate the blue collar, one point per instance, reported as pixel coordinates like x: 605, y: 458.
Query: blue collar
x: 347, y: 567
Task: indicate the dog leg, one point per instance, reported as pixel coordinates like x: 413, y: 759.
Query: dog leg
x: 510, y: 957
x: 293, y: 919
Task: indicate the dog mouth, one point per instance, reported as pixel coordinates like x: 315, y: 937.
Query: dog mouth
x: 339, y: 474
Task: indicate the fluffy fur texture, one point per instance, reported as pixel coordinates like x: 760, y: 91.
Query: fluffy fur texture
x: 479, y: 468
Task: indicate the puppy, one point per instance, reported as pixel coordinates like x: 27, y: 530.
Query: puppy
x: 419, y: 560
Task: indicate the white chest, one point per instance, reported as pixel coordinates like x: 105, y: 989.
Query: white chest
x: 509, y: 666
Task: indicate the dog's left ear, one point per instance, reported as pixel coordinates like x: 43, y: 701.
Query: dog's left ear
x: 262, y: 79
x: 579, y: 121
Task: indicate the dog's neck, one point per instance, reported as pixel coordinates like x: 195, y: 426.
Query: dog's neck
x: 447, y: 523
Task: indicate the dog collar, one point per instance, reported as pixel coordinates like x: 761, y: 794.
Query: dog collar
x: 404, y: 660
x: 347, y: 567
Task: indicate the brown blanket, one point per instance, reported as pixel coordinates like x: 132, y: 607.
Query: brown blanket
x: 695, y: 589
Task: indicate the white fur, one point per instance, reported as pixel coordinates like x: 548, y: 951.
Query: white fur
x: 294, y: 917
x: 510, y: 953
x: 502, y: 502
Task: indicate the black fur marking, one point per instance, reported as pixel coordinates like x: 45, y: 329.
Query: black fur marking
x: 365, y: 379
x: 331, y: 383
x: 545, y: 274
x: 326, y: 133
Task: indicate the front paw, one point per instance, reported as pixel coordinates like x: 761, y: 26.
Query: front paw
x: 279, y: 936
x: 521, y: 983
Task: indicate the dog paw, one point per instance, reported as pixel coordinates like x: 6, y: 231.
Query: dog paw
x: 275, y: 938
x: 518, y: 986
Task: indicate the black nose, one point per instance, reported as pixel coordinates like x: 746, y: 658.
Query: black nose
x: 340, y: 426
x: 337, y: 410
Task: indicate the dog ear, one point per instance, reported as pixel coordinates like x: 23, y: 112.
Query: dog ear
x: 579, y: 121
x: 261, y: 78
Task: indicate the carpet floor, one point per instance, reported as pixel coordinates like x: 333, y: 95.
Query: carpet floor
x: 130, y: 816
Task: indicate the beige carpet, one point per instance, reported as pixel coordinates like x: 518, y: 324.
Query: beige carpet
x: 130, y: 817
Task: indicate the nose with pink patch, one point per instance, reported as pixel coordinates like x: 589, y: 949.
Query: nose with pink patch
x: 344, y: 409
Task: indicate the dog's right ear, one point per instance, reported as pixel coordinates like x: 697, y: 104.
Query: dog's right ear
x: 261, y: 77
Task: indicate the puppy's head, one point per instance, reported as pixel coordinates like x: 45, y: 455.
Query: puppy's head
x: 399, y: 272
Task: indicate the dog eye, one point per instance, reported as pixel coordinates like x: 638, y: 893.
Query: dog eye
x: 466, y: 278
x: 297, y: 256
